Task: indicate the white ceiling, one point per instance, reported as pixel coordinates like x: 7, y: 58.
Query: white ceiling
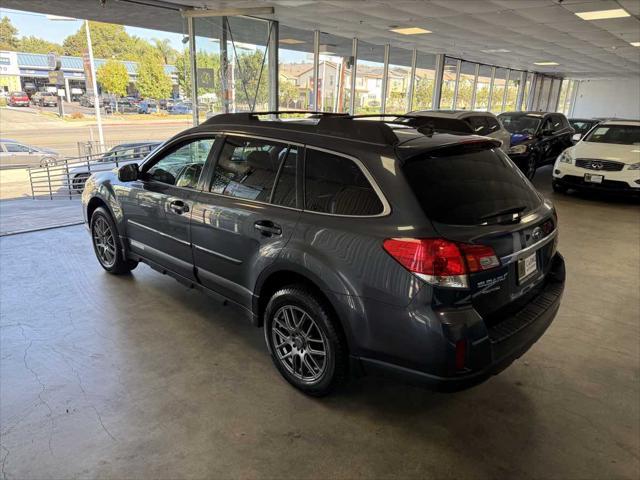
x: 533, y: 30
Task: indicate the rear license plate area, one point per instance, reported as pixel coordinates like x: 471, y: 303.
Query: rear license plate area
x: 527, y: 267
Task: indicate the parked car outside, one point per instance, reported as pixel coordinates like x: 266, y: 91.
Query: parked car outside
x: 117, y: 156
x: 88, y: 101
x: 607, y: 158
x: 468, y: 121
x: 582, y: 126
x: 357, y: 245
x: 14, y: 154
x: 148, y: 106
x: 123, y: 105
x: 18, y: 99
x: 183, y: 108
x: 537, y: 138
x: 47, y: 99
x: 166, y: 103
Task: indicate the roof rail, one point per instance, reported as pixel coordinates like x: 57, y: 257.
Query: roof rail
x: 331, y: 124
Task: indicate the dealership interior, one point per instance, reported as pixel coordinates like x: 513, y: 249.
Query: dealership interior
x: 140, y: 376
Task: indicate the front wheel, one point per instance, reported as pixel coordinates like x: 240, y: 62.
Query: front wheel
x: 305, y: 345
x: 104, y: 236
x: 48, y: 162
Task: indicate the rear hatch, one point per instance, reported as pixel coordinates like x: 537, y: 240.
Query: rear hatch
x: 473, y: 194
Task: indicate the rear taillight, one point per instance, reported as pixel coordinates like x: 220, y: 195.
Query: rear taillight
x: 441, y: 262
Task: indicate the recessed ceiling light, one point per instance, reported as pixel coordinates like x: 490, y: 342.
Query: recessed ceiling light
x: 291, y: 41
x: 496, y: 50
x: 635, y: 44
x: 410, y: 31
x: 603, y: 14
x: 548, y: 64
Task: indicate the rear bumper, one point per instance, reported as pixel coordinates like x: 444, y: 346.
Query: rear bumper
x: 495, y: 347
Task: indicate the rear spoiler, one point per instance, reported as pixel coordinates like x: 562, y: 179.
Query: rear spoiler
x: 468, y: 145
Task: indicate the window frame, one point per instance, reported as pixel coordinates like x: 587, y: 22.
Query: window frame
x: 221, y: 136
x: 289, y: 145
x: 173, y: 146
x: 386, y: 208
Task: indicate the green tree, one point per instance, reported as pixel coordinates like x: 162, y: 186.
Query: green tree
x: 113, y: 78
x: 289, y: 94
x: 252, y: 90
x: 38, y: 45
x: 8, y: 35
x: 203, y: 60
x: 152, y: 81
x: 108, y: 40
x: 423, y: 94
x: 165, y: 50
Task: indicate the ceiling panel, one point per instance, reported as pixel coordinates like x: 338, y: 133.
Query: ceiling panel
x: 531, y: 29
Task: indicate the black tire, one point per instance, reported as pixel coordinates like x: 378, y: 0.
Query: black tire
x: 108, y: 253
x: 77, y: 183
x: 531, y: 166
x: 559, y: 188
x: 322, y: 378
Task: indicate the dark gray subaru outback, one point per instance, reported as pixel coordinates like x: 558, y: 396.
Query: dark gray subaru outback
x: 358, y: 244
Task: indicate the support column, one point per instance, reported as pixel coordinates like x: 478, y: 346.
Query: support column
x: 523, y: 84
x: 475, y: 87
x: 412, y: 80
x: 316, y: 70
x: 67, y: 89
x: 224, y: 67
x: 354, y: 71
x: 437, y: 86
x: 193, y: 69
x: 493, y: 78
x: 274, y: 79
x: 385, y: 80
x: 457, y: 84
x: 506, y: 89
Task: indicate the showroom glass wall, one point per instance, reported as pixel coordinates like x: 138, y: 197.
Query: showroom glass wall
x: 235, y: 60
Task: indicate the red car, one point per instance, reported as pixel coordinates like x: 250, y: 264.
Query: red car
x: 18, y: 99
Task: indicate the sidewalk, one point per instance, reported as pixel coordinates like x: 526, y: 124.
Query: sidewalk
x: 27, y: 215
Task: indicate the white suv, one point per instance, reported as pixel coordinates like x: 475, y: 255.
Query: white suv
x: 607, y: 158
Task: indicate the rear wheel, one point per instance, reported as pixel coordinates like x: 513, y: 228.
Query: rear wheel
x: 78, y: 182
x: 104, y: 236
x: 305, y: 345
x: 48, y: 162
x: 531, y: 166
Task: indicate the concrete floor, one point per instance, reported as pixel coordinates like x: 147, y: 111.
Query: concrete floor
x: 106, y: 377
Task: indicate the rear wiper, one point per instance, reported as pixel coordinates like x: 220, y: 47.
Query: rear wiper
x: 505, y: 211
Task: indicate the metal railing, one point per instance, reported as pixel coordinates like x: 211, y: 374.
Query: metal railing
x: 67, y: 177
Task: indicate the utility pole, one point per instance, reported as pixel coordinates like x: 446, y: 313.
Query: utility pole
x: 94, y: 86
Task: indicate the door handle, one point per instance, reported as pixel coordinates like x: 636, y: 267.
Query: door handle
x: 267, y: 228
x: 178, y: 207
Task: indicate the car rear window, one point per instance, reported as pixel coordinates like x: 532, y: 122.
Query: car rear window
x: 466, y: 185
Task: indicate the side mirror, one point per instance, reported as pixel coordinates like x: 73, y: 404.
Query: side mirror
x: 128, y: 173
x: 576, y: 137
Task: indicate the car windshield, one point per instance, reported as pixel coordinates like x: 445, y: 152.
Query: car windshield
x: 469, y: 186
x: 520, y: 123
x: 581, y: 126
x: 618, y: 134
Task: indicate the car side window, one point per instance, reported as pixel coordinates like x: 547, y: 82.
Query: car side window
x: 336, y: 185
x: 16, y: 148
x: 247, y: 168
x: 492, y: 124
x: 556, y: 121
x: 478, y: 124
x: 182, y: 167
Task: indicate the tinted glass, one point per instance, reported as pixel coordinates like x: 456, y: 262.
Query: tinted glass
x: 493, y: 124
x: 285, y: 191
x: 581, y: 126
x: 247, y: 168
x: 183, y: 166
x: 557, y: 122
x: 465, y: 187
x: 619, y: 134
x: 479, y: 125
x: 336, y: 185
x: 519, y: 123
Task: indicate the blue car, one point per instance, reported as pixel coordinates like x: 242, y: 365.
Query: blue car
x: 148, y: 106
x: 184, y: 108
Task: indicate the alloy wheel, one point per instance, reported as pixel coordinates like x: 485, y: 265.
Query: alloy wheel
x: 299, y: 343
x: 104, y: 242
